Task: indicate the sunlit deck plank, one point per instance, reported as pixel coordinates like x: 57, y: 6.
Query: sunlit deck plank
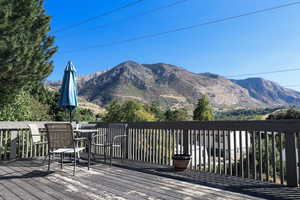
x: 30, y: 180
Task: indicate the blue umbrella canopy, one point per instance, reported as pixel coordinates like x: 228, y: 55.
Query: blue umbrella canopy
x: 68, y: 93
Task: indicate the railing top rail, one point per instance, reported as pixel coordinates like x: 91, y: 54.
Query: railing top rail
x: 251, y: 125
x: 10, y: 125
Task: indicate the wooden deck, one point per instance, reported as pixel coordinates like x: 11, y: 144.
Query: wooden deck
x: 30, y: 180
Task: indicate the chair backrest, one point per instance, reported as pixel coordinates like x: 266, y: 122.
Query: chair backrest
x: 60, y: 135
x: 115, y: 129
x: 35, y: 133
x: 88, y: 126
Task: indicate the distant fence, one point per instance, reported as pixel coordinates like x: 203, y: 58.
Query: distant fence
x: 261, y: 150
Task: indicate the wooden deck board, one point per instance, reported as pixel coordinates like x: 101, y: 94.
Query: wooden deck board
x: 43, y: 185
x: 226, y: 183
x: 30, y: 180
x: 30, y: 186
x: 162, y: 186
x: 6, y: 193
x: 121, y: 186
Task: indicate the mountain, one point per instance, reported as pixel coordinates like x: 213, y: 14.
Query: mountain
x: 173, y: 86
x: 269, y: 92
x: 167, y: 84
x: 81, y: 79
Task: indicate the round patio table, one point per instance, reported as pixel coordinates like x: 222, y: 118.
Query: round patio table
x: 88, y: 134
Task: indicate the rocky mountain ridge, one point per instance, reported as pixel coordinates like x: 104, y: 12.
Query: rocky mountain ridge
x: 269, y: 92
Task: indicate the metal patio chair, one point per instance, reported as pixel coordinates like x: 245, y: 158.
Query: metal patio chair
x: 114, y: 137
x: 61, y: 141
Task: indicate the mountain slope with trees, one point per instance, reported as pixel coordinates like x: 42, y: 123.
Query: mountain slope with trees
x: 173, y: 86
x: 169, y: 85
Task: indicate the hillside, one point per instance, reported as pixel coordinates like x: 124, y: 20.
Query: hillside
x: 169, y: 85
x: 83, y: 103
x: 269, y: 92
x: 174, y: 86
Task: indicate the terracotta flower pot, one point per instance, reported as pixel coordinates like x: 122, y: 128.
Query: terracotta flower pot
x: 181, y: 161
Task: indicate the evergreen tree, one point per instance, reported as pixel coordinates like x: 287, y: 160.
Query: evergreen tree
x: 25, y: 46
x: 156, y: 110
x: 113, y: 112
x: 180, y: 114
x: 203, y: 112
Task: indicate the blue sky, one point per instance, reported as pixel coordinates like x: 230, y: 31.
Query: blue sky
x: 264, y: 42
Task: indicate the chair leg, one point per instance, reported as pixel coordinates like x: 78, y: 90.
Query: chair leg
x: 49, y: 161
x: 45, y: 158
x: 89, y: 156
x: 74, y: 170
x: 105, y: 154
x: 61, y: 160
x: 111, y: 154
x: 78, y: 157
x: 93, y: 157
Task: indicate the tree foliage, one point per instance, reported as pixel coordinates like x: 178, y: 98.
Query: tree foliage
x: 48, y: 98
x: 129, y: 111
x: 40, y: 104
x: 245, y: 114
x: 203, y: 112
x: 290, y: 113
x: 180, y: 114
x: 80, y: 114
x: 25, y: 47
x: 154, y: 108
x: 24, y: 107
x: 133, y: 111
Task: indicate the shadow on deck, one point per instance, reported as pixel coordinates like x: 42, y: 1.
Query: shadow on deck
x: 29, y: 179
x: 249, y: 187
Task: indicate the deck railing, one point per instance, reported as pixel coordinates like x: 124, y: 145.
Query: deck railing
x: 261, y: 150
x: 16, y: 143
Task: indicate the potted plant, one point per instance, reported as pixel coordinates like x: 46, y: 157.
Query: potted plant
x: 181, y: 161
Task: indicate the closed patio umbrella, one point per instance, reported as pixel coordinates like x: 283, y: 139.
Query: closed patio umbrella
x: 68, y: 93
